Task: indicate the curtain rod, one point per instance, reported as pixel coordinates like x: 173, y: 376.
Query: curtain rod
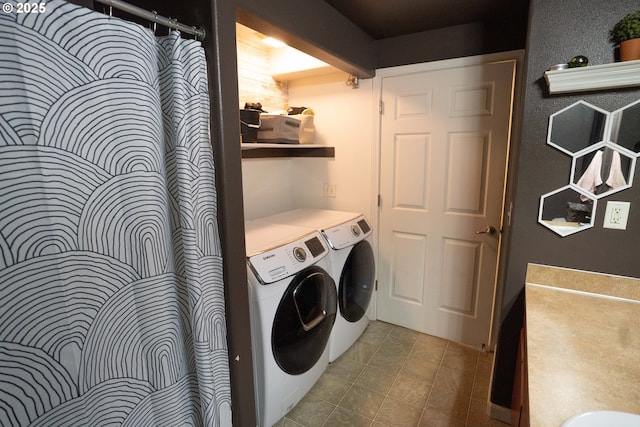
x: 154, y: 17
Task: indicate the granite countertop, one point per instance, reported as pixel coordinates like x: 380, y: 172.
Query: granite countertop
x: 583, y: 343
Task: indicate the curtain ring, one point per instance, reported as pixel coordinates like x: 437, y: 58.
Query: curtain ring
x: 175, y: 23
x: 155, y: 22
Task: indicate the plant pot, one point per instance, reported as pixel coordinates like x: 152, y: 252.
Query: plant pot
x: 630, y: 50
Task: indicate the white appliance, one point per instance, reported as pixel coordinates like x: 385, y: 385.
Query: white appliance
x: 351, y: 264
x: 293, y: 308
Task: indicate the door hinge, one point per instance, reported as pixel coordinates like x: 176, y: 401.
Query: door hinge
x: 376, y: 285
x: 379, y: 200
x: 381, y: 107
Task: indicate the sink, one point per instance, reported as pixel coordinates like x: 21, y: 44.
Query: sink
x: 603, y: 418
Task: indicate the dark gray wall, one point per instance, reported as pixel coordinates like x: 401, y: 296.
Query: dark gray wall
x: 557, y: 32
x: 477, y: 38
x: 220, y: 47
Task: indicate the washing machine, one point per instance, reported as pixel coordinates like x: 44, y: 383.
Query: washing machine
x: 293, y: 306
x: 351, y: 264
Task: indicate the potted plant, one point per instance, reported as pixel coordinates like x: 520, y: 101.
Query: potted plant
x: 626, y: 33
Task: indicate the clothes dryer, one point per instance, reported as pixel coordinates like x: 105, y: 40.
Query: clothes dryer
x: 351, y: 263
x: 293, y: 306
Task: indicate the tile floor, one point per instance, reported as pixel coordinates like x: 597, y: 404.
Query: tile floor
x: 393, y: 376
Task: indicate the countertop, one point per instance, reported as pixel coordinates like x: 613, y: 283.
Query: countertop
x: 583, y: 343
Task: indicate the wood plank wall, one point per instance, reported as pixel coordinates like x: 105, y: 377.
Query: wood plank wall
x: 255, y: 83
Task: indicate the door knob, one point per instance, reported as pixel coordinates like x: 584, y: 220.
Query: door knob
x: 489, y: 230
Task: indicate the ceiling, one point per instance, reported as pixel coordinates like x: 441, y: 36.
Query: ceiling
x: 390, y: 18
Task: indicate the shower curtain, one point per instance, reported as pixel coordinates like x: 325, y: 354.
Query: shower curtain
x: 111, y: 294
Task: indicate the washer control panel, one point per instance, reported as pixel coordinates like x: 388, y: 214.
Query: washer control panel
x: 288, y: 259
x: 348, y: 233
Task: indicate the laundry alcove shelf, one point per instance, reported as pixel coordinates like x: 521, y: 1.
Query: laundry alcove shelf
x: 261, y: 150
x: 594, y: 77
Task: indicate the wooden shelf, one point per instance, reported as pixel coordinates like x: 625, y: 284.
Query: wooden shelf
x: 262, y: 151
x: 594, y: 77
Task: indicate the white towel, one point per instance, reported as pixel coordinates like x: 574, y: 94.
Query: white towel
x: 616, y: 177
x: 591, y: 178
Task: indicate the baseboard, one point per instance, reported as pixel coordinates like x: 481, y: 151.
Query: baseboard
x: 494, y: 410
x: 498, y: 412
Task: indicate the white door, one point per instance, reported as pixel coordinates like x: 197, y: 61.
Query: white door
x: 444, y: 143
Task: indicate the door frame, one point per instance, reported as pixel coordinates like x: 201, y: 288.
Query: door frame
x: 512, y: 148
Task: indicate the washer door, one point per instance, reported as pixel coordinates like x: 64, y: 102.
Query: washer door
x: 356, y: 282
x: 303, y: 320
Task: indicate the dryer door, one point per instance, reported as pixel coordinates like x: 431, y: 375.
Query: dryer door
x: 303, y: 321
x: 356, y: 282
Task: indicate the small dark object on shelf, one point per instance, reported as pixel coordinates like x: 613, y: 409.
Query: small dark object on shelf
x: 295, y: 110
x: 254, y: 106
x: 578, y: 61
x: 578, y: 212
x: 249, y: 124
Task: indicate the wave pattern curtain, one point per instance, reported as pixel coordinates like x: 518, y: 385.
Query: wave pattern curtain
x: 111, y: 293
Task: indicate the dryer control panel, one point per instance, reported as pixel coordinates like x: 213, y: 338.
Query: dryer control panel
x: 288, y: 259
x: 348, y: 233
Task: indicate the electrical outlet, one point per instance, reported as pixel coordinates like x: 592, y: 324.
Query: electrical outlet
x: 329, y: 189
x: 616, y: 215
